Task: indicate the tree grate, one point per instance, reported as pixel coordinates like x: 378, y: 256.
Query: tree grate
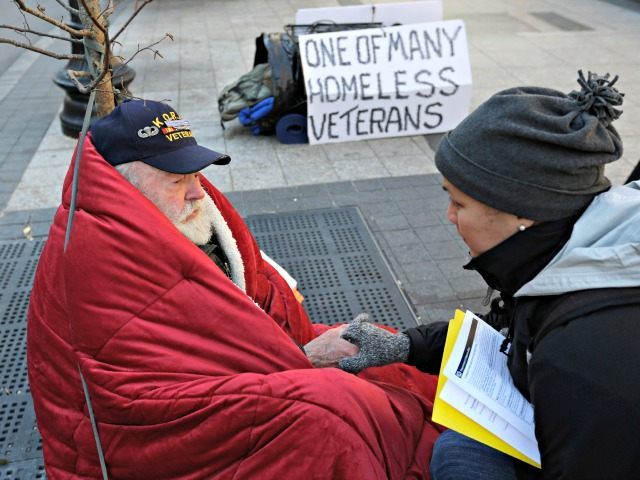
x: 339, y: 268
x: 13, y: 375
x: 20, y: 442
x: 19, y: 437
x: 24, y: 470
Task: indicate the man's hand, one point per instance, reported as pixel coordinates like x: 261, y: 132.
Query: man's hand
x: 329, y: 348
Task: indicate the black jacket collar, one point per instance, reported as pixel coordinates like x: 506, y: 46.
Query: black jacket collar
x: 518, y: 259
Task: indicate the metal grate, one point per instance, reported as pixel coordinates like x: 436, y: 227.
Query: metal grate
x: 14, y: 308
x: 338, y: 266
x: 28, y: 470
x: 19, y: 437
x: 25, y: 470
x: 13, y: 375
x: 20, y: 443
x: 282, y: 224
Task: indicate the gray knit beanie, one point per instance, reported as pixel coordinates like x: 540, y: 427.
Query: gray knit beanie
x: 535, y: 152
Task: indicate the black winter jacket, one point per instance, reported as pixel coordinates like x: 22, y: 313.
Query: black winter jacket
x: 583, y: 372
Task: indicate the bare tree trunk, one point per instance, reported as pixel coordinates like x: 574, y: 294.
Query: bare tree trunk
x: 95, y: 20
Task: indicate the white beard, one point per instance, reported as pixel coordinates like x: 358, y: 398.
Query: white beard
x: 198, y: 229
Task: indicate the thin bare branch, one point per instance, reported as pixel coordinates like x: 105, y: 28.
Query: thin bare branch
x: 41, y: 34
x: 133, y: 15
x: 72, y: 11
x: 41, y: 50
x: 74, y: 75
x: 80, y: 73
x: 24, y: 17
x: 108, y: 10
x: 42, y: 16
x: 156, y: 53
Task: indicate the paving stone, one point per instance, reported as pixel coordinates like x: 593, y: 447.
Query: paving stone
x: 22, y: 216
x: 404, y: 237
x: 444, y: 250
x: 317, y: 190
x: 397, y: 182
x: 430, y: 192
x: 467, y: 287
x: 443, y: 311
x: 424, y: 218
x: 256, y: 196
x: 400, y: 194
x: 452, y: 268
x: 389, y: 222
x: 254, y: 208
x: 411, y: 253
x: 380, y: 208
x: 340, y: 187
x: 433, y: 234
x: 344, y: 199
x: 413, y: 206
x: 303, y: 203
x: 373, y: 184
x: 4, y: 197
x: 12, y: 176
x: 425, y: 271
x: 234, y: 197
x: 284, y: 192
x: 422, y: 293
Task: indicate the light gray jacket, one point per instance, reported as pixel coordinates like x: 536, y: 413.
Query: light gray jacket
x: 603, y: 250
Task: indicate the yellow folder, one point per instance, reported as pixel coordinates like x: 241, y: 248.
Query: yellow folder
x: 446, y: 415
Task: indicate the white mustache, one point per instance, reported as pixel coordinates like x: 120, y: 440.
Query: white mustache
x: 188, y: 209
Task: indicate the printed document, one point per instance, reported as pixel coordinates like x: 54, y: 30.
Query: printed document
x: 477, y: 383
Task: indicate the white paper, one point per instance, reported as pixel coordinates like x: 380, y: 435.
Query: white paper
x: 478, y: 367
x: 292, y: 282
x: 385, y: 13
x: 483, y: 415
x: 386, y: 82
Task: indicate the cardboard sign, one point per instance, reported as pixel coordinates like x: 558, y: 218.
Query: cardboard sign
x: 385, y: 82
x: 386, y: 13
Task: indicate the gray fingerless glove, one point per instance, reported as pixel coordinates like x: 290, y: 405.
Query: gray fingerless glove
x: 377, y: 346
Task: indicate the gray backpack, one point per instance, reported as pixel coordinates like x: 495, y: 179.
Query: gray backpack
x: 248, y: 90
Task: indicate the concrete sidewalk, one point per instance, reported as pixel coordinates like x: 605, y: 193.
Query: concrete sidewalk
x: 538, y: 42
x: 534, y: 43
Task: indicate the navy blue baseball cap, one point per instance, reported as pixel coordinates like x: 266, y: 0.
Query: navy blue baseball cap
x: 153, y: 133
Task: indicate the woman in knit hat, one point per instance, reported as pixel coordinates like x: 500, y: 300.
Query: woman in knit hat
x: 545, y: 228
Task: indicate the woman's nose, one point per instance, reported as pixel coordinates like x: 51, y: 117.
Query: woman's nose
x: 451, y: 214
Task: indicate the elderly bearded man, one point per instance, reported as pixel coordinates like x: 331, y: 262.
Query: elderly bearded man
x: 193, y: 366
